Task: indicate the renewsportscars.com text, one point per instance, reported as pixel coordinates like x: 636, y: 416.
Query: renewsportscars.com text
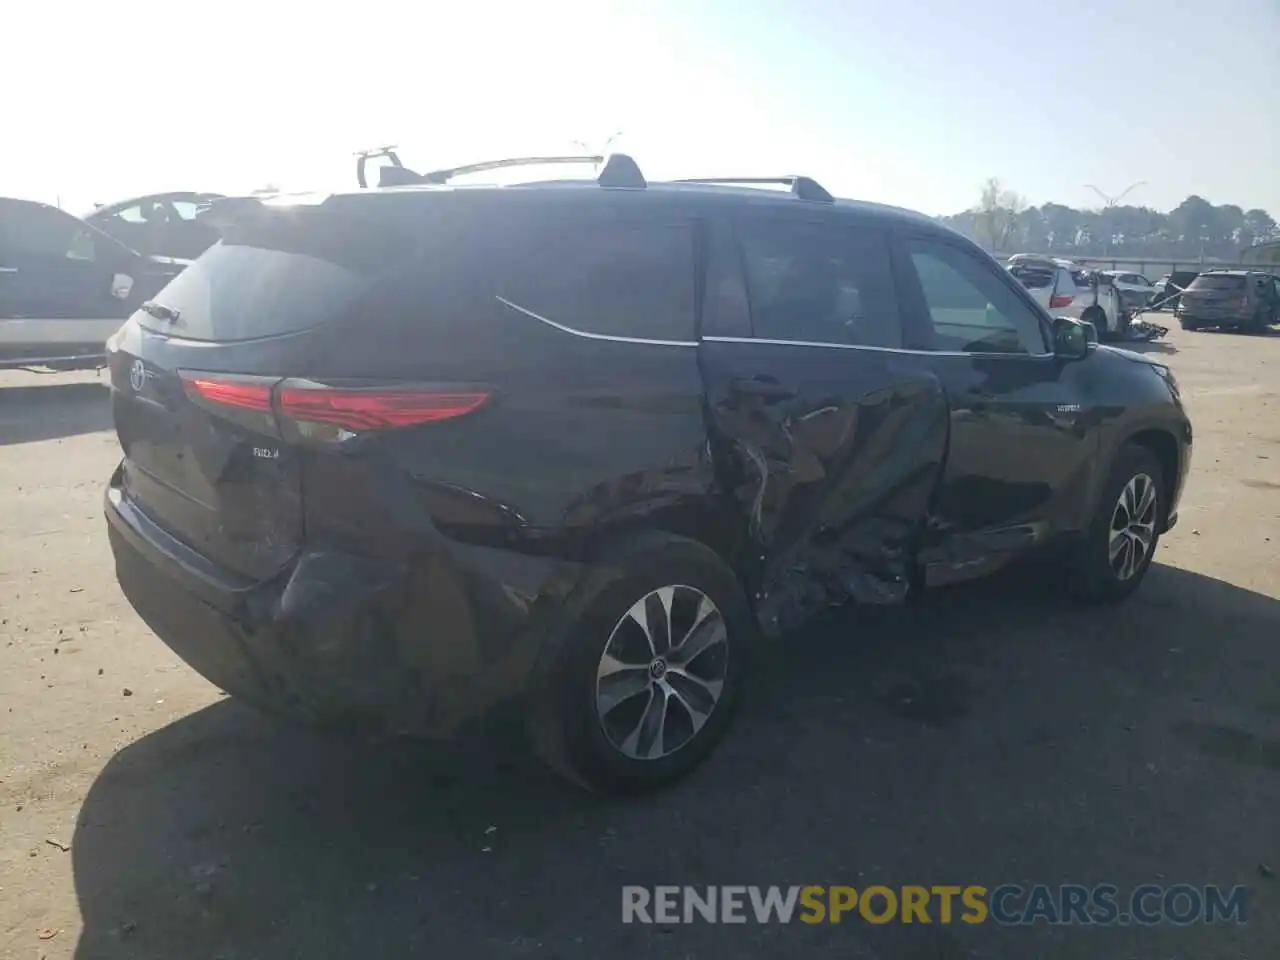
x: 1007, y: 905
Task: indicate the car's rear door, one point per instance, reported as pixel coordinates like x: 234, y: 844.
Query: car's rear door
x: 828, y: 436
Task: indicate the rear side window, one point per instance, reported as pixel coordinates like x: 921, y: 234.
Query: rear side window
x: 631, y: 279
x: 277, y: 272
x: 1217, y: 282
x: 820, y: 283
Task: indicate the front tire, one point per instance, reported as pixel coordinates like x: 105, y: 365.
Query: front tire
x: 639, y: 683
x: 1113, y: 558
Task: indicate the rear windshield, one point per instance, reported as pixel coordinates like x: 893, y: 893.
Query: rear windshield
x: 1219, y: 282
x: 278, y: 272
x: 1033, y: 276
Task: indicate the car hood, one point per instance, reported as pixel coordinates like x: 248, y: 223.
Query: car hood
x: 1129, y: 355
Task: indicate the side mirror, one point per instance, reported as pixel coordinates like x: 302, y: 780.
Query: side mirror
x: 1072, y: 339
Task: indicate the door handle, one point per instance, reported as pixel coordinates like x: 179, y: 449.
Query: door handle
x: 8, y: 269
x: 769, y: 389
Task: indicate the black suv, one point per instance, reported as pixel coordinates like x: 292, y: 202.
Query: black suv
x: 1230, y: 299
x: 395, y: 457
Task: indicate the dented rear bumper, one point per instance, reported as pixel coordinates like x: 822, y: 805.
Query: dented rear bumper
x: 339, y: 639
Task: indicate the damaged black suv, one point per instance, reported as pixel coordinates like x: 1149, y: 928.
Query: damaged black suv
x: 399, y: 456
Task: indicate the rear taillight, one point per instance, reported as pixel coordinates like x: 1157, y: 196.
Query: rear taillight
x: 236, y: 394
x: 360, y: 410
x: 1060, y: 300
x: 306, y: 410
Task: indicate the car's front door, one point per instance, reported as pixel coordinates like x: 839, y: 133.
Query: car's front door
x: 63, y: 282
x: 1022, y: 455
x: 827, y: 437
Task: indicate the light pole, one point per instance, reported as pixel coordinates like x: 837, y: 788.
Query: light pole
x: 1112, y: 201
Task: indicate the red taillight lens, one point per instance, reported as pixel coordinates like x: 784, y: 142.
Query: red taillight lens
x: 229, y: 393
x: 359, y: 410
x: 315, y: 411
x: 1060, y: 300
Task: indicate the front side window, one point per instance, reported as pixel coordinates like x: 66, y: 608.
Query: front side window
x: 820, y: 283
x: 616, y: 278
x: 970, y: 308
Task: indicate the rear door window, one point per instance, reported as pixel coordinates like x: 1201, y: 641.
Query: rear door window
x: 280, y: 271
x: 820, y: 283
x: 632, y: 279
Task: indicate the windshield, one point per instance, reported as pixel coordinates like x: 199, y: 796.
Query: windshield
x: 276, y: 272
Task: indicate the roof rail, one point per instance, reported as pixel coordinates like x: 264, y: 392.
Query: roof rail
x: 805, y: 188
x: 444, y: 176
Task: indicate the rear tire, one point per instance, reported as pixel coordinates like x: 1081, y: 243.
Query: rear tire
x: 617, y: 729
x: 1115, y: 554
x: 1189, y: 325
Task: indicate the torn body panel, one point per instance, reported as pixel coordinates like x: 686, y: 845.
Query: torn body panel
x: 833, y: 458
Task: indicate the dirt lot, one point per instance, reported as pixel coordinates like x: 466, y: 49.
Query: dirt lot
x: 995, y: 735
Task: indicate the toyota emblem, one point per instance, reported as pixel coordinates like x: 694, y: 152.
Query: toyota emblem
x: 138, y: 376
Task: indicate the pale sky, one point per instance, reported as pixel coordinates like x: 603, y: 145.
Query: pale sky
x: 913, y: 102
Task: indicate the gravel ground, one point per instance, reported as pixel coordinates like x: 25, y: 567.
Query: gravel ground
x: 994, y: 735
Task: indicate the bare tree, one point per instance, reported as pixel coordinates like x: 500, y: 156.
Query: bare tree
x: 997, y: 214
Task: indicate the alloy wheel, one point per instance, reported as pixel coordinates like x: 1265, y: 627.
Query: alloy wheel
x: 662, y: 672
x: 1133, y: 527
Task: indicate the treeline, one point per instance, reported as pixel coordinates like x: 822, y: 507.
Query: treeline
x: 1002, y: 223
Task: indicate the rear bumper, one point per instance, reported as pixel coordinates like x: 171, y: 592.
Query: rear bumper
x: 338, y: 639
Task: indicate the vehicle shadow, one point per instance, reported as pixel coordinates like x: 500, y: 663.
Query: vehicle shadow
x: 53, y: 411
x: 991, y: 733
x: 1148, y: 346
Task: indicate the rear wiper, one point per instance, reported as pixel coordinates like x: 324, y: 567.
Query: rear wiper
x: 160, y: 311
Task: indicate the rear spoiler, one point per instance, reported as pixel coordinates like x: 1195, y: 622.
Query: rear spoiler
x: 227, y: 211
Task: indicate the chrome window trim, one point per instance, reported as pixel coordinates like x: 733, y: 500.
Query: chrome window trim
x: 859, y: 346
x: 586, y: 334
x: 613, y: 338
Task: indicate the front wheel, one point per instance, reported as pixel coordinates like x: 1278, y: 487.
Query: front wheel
x: 1116, y: 552
x: 639, y: 683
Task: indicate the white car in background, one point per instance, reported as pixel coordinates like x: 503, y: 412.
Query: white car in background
x: 1136, y: 289
x: 1066, y: 289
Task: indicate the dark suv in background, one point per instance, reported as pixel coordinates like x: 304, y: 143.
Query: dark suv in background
x: 396, y: 457
x: 1232, y: 299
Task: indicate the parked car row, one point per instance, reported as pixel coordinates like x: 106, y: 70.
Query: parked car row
x: 67, y: 283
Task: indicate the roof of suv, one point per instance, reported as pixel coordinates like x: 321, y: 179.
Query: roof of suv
x: 620, y: 175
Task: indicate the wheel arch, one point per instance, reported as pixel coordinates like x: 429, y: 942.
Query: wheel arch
x: 1163, y: 445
